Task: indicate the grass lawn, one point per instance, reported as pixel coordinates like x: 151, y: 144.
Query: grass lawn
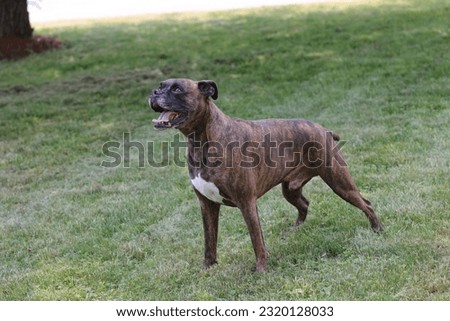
x: 377, y: 74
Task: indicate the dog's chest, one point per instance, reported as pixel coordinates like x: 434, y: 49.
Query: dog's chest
x: 207, y: 189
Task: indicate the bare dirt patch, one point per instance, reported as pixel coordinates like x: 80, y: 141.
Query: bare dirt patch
x: 15, y: 48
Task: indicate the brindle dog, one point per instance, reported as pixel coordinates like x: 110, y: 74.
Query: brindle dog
x: 234, y: 162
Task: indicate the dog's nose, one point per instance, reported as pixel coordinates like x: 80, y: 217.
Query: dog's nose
x: 153, y: 104
x: 157, y: 91
x: 152, y: 97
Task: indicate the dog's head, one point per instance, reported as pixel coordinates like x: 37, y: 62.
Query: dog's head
x: 180, y: 102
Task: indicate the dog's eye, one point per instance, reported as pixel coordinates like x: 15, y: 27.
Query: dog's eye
x: 176, y: 89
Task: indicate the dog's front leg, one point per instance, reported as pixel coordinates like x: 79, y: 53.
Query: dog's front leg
x: 210, y: 216
x: 250, y: 213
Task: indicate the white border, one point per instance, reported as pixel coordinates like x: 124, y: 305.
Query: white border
x: 345, y: 311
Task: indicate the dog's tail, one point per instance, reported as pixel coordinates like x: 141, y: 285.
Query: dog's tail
x: 336, y: 137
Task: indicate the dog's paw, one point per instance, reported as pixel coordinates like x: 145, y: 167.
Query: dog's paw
x: 209, y: 264
x: 378, y: 228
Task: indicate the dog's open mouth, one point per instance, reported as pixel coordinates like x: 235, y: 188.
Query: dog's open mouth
x: 167, y: 119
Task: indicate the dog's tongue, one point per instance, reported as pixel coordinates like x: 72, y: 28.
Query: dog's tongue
x: 165, y: 118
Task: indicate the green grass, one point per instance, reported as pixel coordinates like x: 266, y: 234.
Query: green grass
x: 377, y: 74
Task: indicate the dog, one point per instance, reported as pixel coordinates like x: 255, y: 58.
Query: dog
x: 233, y: 162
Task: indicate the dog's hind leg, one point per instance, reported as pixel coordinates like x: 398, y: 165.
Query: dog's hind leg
x: 292, y: 192
x: 337, y: 176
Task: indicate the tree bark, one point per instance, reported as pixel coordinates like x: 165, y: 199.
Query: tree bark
x: 14, y: 19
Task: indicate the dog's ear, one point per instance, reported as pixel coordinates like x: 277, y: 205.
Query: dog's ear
x: 208, y: 88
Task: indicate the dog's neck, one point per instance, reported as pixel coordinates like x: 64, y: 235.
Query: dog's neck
x: 197, y: 138
x: 211, y: 118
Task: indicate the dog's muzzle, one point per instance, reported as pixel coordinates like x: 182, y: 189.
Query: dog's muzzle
x: 168, y: 118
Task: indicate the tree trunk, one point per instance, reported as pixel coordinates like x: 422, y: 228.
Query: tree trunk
x: 14, y: 19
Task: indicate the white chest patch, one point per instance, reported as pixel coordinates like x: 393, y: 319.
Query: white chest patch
x: 207, y: 189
